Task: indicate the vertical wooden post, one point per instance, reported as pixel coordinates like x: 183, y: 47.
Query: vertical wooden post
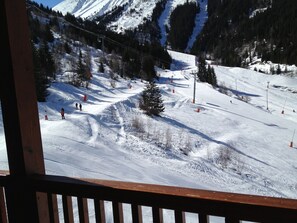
x: 67, y: 209
x: 118, y: 215
x: 157, y: 215
x: 83, y: 213
x: 136, y: 213
x: 20, y: 115
x: 53, y: 208
x: 99, y: 211
x: 203, y: 218
x: 179, y: 216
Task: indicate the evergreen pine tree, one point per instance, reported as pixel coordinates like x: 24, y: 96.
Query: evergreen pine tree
x: 48, y: 35
x: 47, y: 61
x: 101, y: 67
x: 67, y: 48
x: 151, y: 100
x: 206, y: 75
x: 202, y: 72
x: 148, y: 68
x: 81, y: 68
x: 41, y: 81
x: 211, y: 76
x: 214, y: 78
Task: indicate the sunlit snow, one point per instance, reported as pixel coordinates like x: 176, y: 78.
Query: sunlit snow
x: 101, y: 141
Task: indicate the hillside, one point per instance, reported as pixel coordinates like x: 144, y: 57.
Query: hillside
x: 131, y: 15
x: 149, y: 21
x: 256, y: 28
x: 238, y: 31
x: 237, y: 147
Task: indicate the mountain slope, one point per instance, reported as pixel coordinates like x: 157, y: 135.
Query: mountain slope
x: 230, y: 145
x: 123, y: 15
x: 134, y: 13
x: 238, y: 31
x: 87, y: 8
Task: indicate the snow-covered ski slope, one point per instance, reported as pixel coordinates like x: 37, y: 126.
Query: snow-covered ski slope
x: 231, y: 145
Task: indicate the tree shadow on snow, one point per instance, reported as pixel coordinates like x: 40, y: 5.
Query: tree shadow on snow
x: 201, y: 134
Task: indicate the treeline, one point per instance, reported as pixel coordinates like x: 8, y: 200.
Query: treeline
x: 125, y: 55
x: 182, y: 21
x: 233, y: 35
x: 276, y: 32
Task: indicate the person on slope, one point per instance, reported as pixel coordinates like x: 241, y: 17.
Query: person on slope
x: 62, y: 113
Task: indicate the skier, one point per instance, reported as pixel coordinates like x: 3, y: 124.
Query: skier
x: 80, y: 106
x: 76, y: 106
x: 62, y: 113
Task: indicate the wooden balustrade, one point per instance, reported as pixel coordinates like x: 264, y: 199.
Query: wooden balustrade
x: 233, y: 207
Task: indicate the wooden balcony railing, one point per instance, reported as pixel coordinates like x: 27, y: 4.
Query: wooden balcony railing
x: 233, y: 207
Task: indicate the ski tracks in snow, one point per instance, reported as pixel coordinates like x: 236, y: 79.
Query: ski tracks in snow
x: 181, y: 102
x: 121, y: 137
x: 94, y: 126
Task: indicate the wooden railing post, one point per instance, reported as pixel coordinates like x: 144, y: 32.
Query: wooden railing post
x: 136, y: 213
x: 231, y: 220
x: 83, y: 213
x: 67, y: 209
x: 20, y: 115
x: 118, y: 215
x: 53, y: 208
x: 21, y: 200
x: 203, y: 218
x: 179, y: 216
x: 99, y: 211
x: 157, y: 215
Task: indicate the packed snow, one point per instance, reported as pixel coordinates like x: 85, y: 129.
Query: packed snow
x: 225, y: 141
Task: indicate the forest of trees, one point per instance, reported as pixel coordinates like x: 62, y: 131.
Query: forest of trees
x: 231, y: 34
x: 127, y: 56
x: 206, y: 73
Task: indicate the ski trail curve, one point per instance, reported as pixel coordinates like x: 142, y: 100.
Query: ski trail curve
x: 200, y: 20
x: 163, y: 21
x: 122, y: 134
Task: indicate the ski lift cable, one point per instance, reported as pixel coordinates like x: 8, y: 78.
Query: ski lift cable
x: 97, y: 35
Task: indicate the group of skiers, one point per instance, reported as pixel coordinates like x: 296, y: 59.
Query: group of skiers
x: 80, y: 106
x: 76, y: 106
